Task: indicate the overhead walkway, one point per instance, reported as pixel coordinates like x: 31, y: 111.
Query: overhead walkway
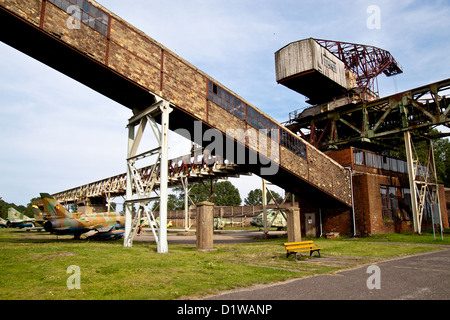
x: 195, y: 168
x: 112, y: 57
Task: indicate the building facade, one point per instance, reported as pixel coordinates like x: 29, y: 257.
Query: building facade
x: 381, y: 197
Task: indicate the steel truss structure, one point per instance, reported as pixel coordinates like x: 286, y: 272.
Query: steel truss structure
x: 423, y: 186
x: 366, y: 62
x: 159, y: 172
x: 383, y: 124
x: 379, y: 124
x: 268, y: 224
x: 195, y: 167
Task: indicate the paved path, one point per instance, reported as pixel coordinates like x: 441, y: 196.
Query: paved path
x: 424, y: 277
x: 220, y: 236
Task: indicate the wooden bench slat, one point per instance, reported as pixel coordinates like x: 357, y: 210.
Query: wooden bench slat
x: 298, y: 243
x: 305, y: 249
x: 302, y: 246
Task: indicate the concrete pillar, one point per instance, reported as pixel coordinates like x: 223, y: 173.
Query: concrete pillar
x: 293, y: 225
x: 205, y: 226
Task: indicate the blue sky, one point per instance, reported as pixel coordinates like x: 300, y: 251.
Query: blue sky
x: 57, y: 134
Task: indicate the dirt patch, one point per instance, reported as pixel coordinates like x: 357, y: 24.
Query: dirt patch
x: 56, y: 255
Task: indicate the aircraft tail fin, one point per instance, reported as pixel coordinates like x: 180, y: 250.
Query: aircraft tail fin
x: 14, y: 215
x: 38, y: 215
x: 53, y: 208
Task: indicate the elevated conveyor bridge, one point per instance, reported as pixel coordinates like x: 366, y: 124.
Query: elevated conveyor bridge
x: 114, y: 58
x: 195, y: 168
x: 89, y: 43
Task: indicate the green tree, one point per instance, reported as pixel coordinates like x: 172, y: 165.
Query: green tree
x: 442, y: 158
x: 201, y: 191
x: 173, y: 203
x: 441, y: 154
x: 4, y: 206
x: 222, y: 193
x: 226, y: 194
x: 254, y: 197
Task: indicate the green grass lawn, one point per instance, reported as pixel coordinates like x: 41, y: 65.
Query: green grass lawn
x: 34, y: 266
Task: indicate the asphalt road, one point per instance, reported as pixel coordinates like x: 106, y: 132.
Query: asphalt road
x: 420, y: 277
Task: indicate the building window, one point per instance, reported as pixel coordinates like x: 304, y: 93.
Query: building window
x: 89, y: 14
x: 226, y: 100
x: 396, y: 203
x: 237, y: 107
x: 389, y: 202
x: 293, y: 143
x: 370, y: 159
x: 358, y: 157
x: 405, y: 203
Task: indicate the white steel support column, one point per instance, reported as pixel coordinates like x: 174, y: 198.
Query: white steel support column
x: 264, y: 204
x: 164, y: 178
x: 187, y: 216
x: 135, y: 182
x: 412, y: 171
x: 129, y: 192
x: 423, y: 184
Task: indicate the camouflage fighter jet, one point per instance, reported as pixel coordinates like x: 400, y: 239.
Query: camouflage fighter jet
x: 60, y: 221
x: 3, y: 223
x: 17, y: 219
x: 38, y: 215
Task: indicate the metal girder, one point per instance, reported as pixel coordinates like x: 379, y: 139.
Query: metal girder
x: 159, y: 172
x: 379, y: 121
x: 366, y: 62
x: 268, y: 224
x: 195, y: 167
x: 423, y: 186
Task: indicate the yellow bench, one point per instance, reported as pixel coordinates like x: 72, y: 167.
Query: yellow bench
x: 304, y: 246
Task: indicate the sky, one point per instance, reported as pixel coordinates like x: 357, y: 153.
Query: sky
x: 56, y: 134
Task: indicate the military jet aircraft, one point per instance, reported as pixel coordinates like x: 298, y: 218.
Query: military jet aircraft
x: 38, y: 215
x: 17, y: 219
x: 3, y: 223
x: 61, y: 221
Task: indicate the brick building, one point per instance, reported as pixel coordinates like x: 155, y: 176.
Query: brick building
x: 381, y: 195
x: 116, y: 59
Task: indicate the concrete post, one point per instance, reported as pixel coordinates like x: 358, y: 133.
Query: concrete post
x: 205, y: 226
x: 293, y: 225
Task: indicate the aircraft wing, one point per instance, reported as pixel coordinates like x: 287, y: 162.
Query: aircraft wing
x: 102, y: 229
